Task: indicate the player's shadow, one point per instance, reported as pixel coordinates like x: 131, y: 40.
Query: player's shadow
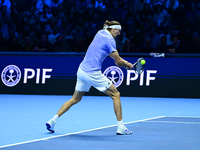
x: 95, y: 137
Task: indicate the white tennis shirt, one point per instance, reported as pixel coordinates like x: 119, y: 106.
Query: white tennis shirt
x: 102, y: 45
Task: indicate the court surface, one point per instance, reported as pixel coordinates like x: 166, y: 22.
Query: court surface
x: 157, y: 123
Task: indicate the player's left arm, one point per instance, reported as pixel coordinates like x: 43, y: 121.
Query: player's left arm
x: 120, y: 61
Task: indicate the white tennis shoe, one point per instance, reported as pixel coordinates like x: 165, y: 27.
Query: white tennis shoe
x: 50, y: 125
x: 123, y: 131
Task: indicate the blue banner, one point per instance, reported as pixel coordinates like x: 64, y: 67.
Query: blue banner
x: 56, y: 74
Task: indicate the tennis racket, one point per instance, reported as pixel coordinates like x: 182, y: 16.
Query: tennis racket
x: 138, y: 66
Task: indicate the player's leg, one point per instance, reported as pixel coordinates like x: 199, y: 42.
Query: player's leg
x: 103, y: 84
x: 115, y: 95
x: 77, y: 96
x: 81, y: 87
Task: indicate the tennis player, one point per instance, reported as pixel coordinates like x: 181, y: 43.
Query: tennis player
x: 89, y: 73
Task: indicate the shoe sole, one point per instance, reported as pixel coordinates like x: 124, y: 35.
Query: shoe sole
x: 123, y: 134
x: 49, y: 128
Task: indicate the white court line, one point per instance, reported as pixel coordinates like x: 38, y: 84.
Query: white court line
x: 174, y: 122
x: 183, y: 117
x: 76, y: 132
x: 177, y: 121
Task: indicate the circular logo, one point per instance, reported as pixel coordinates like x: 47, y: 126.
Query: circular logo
x: 11, y: 75
x: 115, y: 74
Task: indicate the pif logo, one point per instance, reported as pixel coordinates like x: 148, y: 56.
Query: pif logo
x: 115, y: 74
x: 11, y: 75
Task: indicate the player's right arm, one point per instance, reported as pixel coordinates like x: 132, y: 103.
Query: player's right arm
x: 120, y: 61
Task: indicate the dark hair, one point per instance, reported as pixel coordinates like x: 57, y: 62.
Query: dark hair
x: 60, y: 35
x: 45, y: 6
x: 145, y: 6
x: 174, y: 36
x: 163, y: 37
x: 110, y: 23
x: 156, y: 7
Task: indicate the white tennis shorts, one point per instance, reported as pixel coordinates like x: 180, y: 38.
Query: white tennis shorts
x: 86, y: 80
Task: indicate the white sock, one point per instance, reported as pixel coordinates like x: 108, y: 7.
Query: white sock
x: 55, y: 118
x: 120, y: 123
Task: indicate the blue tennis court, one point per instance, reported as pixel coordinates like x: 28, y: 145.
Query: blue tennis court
x: 157, y: 123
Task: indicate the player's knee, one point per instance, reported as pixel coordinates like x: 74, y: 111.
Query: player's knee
x: 75, y: 101
x: 116, y: 94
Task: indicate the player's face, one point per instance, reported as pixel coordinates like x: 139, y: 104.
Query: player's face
x: 115, y: 32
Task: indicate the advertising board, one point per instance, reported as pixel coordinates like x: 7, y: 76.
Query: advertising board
x: 56, y: 75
